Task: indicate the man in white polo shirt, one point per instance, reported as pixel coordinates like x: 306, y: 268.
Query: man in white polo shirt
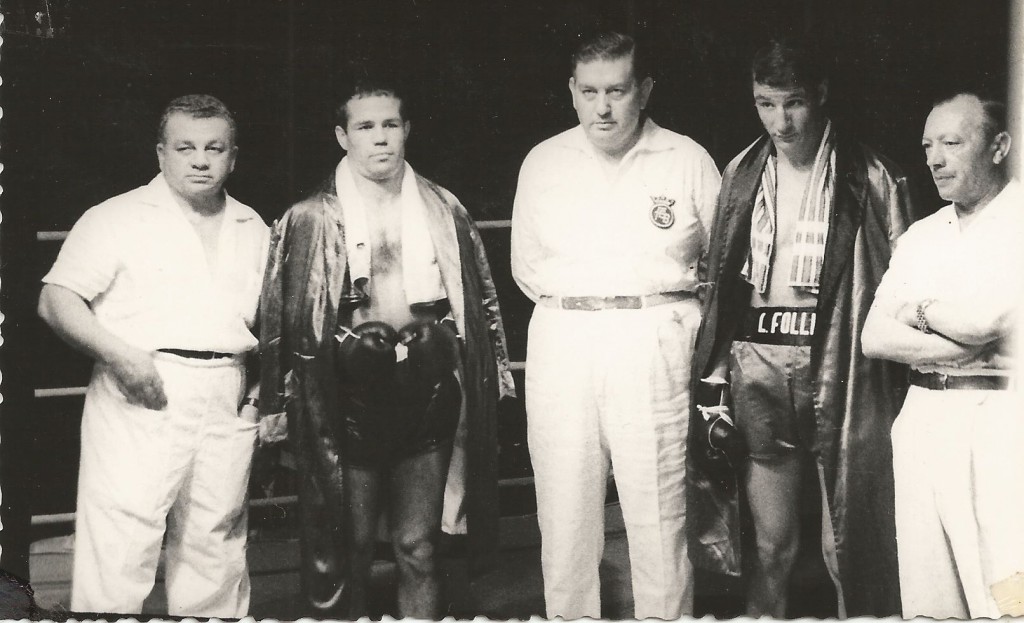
x: 610, y: 220
x: 160, y: 286
x: 947, y: 307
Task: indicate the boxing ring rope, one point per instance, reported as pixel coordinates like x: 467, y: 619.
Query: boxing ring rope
x: 57, y: 236
x: 63, y: 392
x: 59, y: 518
x: 287, y: 500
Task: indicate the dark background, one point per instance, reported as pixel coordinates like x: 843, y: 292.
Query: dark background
x: 80, y: 110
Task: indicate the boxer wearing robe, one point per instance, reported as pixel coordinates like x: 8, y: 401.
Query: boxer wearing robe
x: 374, y: 270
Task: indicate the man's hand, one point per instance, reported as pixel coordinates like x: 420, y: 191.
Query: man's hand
x: 70, y: 316
x: 975, y: 354
x: 138, y: 379
x: 249, y: 412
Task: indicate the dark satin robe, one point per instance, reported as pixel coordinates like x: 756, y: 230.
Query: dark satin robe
x: 298, y: 318
x: 856, y: 398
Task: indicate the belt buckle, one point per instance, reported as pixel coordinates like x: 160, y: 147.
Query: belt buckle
x: 942, y: 380
x: 577, y: 303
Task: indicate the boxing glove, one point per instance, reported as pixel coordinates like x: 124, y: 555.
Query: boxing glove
x: 720, y: 448
x: 366, y: 354
x: 432, y: 350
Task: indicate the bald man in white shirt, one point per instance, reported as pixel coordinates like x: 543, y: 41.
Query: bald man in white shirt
x: 160, y: 287
x: 610, y: 220
x: 947, y: 307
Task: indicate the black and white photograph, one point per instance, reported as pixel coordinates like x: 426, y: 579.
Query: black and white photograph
x: 609, y: 309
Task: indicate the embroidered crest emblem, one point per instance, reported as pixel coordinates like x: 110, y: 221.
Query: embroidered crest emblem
x: 661, y: 212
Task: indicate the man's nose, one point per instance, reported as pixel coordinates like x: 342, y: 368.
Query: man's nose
x: 380, y: 136
x: 200, y: 159
x: 604, y: 105
x: 934, y: 157
x: 785, y: 120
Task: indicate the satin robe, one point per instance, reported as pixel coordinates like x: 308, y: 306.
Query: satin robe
x: 298, y: 318
x: 856, y: 398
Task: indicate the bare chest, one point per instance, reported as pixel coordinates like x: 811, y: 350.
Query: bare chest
x: 386, y: 288
x: 385, y: 228
x: 790, y: 190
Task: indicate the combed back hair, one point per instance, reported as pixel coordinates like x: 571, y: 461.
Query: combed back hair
x: 608, y: 46
x: 200, y: 106
x: 993, y: 120
x: 368, y: 88
x: 788, y: 62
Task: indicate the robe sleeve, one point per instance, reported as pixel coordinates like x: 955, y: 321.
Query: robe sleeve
x: 492, y: 311
x: 273, y: 365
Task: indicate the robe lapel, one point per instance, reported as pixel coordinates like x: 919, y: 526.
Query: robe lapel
x: 334, y: 245
x: 441, y: 225
x: 842, y: 230
x: 742, y: 193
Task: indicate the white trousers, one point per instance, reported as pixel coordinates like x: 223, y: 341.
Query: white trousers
x: 959, y: 467
x: 610, y: 390
x: 190, y: 461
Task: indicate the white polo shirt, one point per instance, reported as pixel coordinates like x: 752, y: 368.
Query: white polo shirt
x: 141, y: 266
x: 981, y: 266
x: 576, y: 231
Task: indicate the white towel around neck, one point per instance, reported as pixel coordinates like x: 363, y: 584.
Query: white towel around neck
x: 421, y: 274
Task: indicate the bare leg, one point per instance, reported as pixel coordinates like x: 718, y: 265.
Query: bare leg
x: 362, y: 490
x: 773, y: 491
x: 417, y: 499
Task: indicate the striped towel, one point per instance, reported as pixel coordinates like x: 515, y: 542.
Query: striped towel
x: 812, y: 221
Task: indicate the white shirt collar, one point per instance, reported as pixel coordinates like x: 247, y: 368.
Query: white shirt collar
x: 159, y: 193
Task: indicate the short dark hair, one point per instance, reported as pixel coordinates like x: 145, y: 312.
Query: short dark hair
x: 200, y: 106
x: 789, y: 61
x: 365, y: 87
x: 610, y: 45
x: 993, y: 120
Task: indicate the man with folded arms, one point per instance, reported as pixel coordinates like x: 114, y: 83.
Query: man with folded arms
x: 160, y: 286
x: 947, y: 306
x: 610, y: 220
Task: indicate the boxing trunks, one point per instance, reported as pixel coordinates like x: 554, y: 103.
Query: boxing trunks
x: 399, y: 395
x: 772, y: 384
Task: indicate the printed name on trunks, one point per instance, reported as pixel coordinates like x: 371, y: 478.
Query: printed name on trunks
x: 793, y: 326
x: 788, y: 322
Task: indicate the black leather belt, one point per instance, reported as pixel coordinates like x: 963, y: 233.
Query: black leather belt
x: 195, y: 354
x: 939, y: 381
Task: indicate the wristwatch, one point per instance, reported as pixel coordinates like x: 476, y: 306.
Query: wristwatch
x: 922, y: 321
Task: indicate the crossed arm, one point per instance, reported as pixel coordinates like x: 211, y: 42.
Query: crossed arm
x: 958, y: 335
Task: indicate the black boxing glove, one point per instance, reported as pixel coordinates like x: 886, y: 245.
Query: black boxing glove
x: 720, y: 448
x: 723, y: 436
x: 432, y: 350
x: 366, y: 354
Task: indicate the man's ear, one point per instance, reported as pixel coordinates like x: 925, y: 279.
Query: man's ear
x: 645, y: 91
x: 822, y: 92
x: 407, y: 127
x: 1001, y: 147
x: 572, y: 90
x: 160, y: 155
x: 342, y: 136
